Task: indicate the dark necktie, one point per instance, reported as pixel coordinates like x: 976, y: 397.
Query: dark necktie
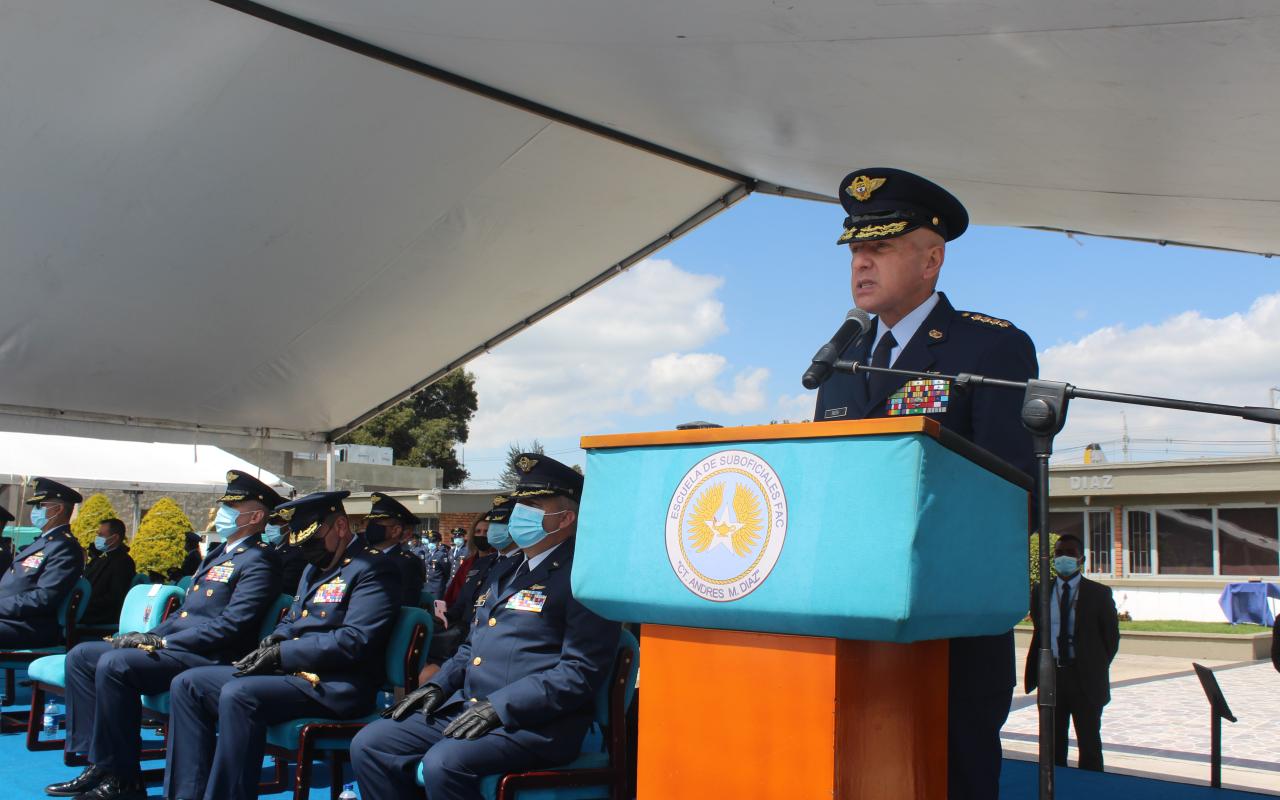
x: 1064, y: 625
x: 879, y: 385
x: 520, y: 572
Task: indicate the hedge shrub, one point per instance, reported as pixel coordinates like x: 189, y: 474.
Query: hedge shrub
x: 159, y: 544
x: 91, y: 514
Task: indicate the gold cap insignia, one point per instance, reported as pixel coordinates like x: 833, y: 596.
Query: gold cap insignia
x: 499, y: 500
x: 231, y: 476
x: 887, y: 229
x: 848, y: 234
x: 862, y: 187
x: 935, y: 334
x: 525, y: 464
x: 286, y: 514
x: 935, y: 220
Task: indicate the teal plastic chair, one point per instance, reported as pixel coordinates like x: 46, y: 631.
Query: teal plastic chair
x: 156, y: 706
x: 144, y: 608
x: 184, y: 582
x: 593, y: 775
x: 141, y: 579
x: 69, y: 615
x: 311, y: 738
x: 426, y: 599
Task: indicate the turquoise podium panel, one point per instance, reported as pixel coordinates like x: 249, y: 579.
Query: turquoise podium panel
x: 888, y: 537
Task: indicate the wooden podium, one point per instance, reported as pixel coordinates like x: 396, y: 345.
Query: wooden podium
x: 787, y: 578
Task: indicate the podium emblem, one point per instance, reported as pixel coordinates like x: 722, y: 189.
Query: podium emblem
x: 726, y: 525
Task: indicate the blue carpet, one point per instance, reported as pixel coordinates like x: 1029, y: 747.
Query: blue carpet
x: 1020, y: 780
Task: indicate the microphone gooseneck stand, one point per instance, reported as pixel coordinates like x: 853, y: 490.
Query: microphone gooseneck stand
x: 1044, y: 412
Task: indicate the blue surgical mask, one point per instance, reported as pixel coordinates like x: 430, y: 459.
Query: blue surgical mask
x: 1066, y: 565
x: 525, y: 525
x: 272, y: 535
x: 499, y: 536
x: 39, y: 517
x: 375, y: 534
x: 458, y: 542
x: 100, y: 542
x: 225, y: 522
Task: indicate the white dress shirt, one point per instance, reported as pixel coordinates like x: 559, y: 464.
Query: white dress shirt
x: 906, y: 327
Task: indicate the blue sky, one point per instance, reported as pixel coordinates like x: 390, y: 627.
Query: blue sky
x: 764, y: 284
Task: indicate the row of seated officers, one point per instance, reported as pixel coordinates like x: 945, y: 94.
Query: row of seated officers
x: 511, y: 685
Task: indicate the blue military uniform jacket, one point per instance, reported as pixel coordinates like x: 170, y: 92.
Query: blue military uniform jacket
x: 951, y: 342
x: 413, y: 573
x: 37, y: 582
x: 338, y: 627
x: 536, y: 654
x: 230, y: 593
x: 439, y: 570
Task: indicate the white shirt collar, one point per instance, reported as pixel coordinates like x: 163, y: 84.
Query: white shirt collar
x: 540, y: 557
x: 906, y: 327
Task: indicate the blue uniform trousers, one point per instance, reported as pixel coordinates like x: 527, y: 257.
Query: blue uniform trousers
x: 104, y: 699
x: 385, y: 757
x: 17, y: 634
x: 218, y: 729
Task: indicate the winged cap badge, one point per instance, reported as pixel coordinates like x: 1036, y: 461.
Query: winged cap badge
x: 862, y: 187
x: 525, y: 463
x: 285, y: 514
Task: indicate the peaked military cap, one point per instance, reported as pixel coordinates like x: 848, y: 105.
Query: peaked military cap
x: 305, y: 515
x: 541, y: 476
x: 883, y: 202
x: 501, y: 511
x: 5, y: 516
x: 44, y: 490
x: 243, y: 486
x: 387, y: 507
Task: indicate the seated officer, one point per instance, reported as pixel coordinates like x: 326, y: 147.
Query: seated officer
x: 324, y: 659
x: 390, y: 526
x: 457, y: 622
x: 43, y: 573
x: 233, y: 587
x: 517, y: 695
x: 110, y: 571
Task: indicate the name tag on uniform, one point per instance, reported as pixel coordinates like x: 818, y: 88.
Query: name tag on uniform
x: 34, y: 560
x: 330, y: 592
x: 835, y: 413
x: 920, y: 397
x: 527, y: 600
x: 220, y: 573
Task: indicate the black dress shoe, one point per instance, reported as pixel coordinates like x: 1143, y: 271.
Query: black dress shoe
x: 113, y: 787
x: 83, y: 782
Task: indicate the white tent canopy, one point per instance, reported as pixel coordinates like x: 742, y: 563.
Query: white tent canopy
x: 225, y: 223
x: 122, y: 465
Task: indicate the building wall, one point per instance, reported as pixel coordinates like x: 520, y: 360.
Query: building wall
x: 450, y: 520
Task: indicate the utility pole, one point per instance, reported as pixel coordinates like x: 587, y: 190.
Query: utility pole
x: 1275, y: 445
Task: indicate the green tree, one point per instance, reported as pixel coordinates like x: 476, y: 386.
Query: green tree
x: 159, y: 544
x: 92, y: 512
x: 510, y: 475
x: 423, y: 430
x: 1035, y: 556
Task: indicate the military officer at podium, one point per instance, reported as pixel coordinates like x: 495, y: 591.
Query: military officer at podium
x: 231, y: 591
x: 325, y: 659
x: 896, y: 230
x: 390, y: 527
x: 518, y: 694
x: 43, y: 573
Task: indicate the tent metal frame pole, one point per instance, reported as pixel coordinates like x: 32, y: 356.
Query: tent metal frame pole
x: 329, y: 467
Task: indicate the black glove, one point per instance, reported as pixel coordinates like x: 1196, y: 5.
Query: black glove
x: 428, y: 696
x: 263, y: 661
x: 136, y: 639
x: 272, y: 638
x: 474, y: 722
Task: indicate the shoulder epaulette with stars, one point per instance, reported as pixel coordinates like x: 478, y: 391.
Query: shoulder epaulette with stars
x: 974, y: 316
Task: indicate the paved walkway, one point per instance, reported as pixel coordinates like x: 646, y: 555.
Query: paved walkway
x: 1158, y: 723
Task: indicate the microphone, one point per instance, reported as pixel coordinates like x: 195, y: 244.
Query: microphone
x: 855, y: 324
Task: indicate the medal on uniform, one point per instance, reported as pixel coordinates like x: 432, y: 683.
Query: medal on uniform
x: 527, y: 600
x: 923, y: 396
x: 220, y: 573
x: 330, y: 592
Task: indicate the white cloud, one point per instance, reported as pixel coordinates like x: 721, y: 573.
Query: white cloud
x: 795, y: 407
x: 631, y: 347
x: 1232, y: 360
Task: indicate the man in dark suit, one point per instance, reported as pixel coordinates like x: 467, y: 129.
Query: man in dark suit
x: 44, y: 572
x: 1083, y: 649
x: 897, y: 230
x: 389, y: 527
x: 325, y: 659
x: 110, y: 571
x: 518, y: 694
x: 230, y: 593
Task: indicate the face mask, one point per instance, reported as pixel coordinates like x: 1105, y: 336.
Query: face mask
x: 499, y: 537
x: 314, y: 551
x: 225, y: 522
x: 39, y: 516
x: 272, y: 535
x: 1066, y: 565
x: 375, y: 534
x: 100, y: 542
x: 525, y: 525
x: 458, y: 542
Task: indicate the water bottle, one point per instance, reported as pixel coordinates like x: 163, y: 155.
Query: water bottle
x: 50, y: 723
x: 349, y: 792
